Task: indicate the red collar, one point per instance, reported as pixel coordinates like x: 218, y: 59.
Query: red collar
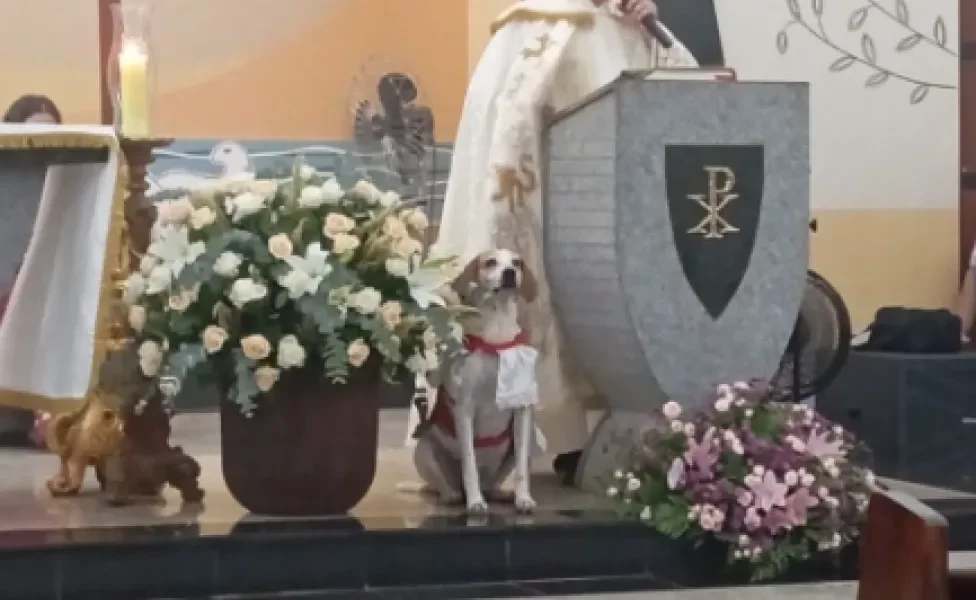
x: 477, y: 344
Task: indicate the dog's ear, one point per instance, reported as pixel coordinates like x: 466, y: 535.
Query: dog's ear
x: 468, y: 278
x: 529, y: 288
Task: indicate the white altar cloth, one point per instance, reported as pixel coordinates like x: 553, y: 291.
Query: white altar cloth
x: 55, y: 327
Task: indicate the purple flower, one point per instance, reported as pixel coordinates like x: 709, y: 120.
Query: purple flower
x: 702, y: 456
x: 676, y: 474
x: 777, y: 520
x: 818, y: 446
x: 797, y: 505
x: 769, y: 491
x: 752, y: 519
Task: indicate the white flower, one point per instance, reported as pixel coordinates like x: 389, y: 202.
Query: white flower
x: 311, y: 197
x: 645, y: 514
x: 150, y: 358
x: 723, y: 405
x: 613, y: 492
x: 135, y: 286
x: 416, y: 364
x: 633, y: 484
x: 173, y: 248
x: 306, y: 272
x: 280, y: 246
x: 689, y: 429
x: 366, y: 300
x: 344, y: 242
x: 416, y: 219
x: 174, y: 211
x: 336, y: 223
x: 367, y: 190
x: 389, y: 199
x: 831, y: 502
x: 833, y: 471
x: 256, y: 347
x: 202, y: 217
x: 213, y: 338
x: 245, y: 291
x: 137, y: 318
x: 291, y: 354
x: 759, y: 470
x: 306, y: 171
x: 147, y: 263
x: 227, y: 264
x: 806, y: 480
x: 677, y: 426
x: 397, y: 267
x: 392, y: 314
x: 671, y: 410
x: 791, y: 478
x: 869, y: 478
x: 331, y: 191
x: 425, y: 283
x: 159, y: 280
x: 433, y: 362
x: 723, y: 389
x: 407, y: 247
x: 618, y: 474
x: 395, y: 228
x: 266, y: 188
x: 245, y: 205
x: 357, y: 352
x: 749, y: 412
x: 266, y: 377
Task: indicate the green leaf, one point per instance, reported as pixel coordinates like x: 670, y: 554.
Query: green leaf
x: 671, y: 519
x: 245, y: 390
x: 335, y: 360
x: 281, y: 300
x: 383, y: 339
x: 766, y: 424
x: 327, y: 318
x: 733, y: 466
x: 185, y: 360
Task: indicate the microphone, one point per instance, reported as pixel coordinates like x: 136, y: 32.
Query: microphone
x: 659, y: 31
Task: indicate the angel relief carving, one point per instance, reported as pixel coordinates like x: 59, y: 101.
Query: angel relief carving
x: 810, y: 21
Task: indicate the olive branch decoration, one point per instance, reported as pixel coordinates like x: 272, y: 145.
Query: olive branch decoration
x: 868, y: 56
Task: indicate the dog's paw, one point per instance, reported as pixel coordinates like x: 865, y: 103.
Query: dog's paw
x: 524, y: 504
x: 477, y: 506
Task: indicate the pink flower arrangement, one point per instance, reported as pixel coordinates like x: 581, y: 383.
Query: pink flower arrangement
x: 775, y: 482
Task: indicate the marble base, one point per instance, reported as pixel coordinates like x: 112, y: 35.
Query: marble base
x: 609, y: 447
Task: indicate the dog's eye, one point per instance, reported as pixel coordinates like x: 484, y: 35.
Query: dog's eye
x: 517, y: 263
x: 491, y: 263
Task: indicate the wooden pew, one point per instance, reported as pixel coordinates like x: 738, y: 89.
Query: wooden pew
x: 905, y: 552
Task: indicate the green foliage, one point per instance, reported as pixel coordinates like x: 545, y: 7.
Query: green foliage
x: 671, y: 516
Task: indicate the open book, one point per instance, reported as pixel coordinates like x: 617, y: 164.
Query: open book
x: 692, y: 74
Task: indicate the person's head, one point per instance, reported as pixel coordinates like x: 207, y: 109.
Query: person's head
x: 33, y: 108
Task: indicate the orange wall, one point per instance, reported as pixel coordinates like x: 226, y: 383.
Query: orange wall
x: 248, y: 68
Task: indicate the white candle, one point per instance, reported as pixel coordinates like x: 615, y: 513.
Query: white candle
x: 134, y: 90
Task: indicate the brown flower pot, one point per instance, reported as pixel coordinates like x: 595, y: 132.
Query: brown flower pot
x: 309, y: 449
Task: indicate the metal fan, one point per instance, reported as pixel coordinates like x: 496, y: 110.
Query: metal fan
x: 819, y: 345
x: 389, y: 120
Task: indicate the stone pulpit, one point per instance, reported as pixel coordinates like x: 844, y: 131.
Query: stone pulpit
x: 676, y: 224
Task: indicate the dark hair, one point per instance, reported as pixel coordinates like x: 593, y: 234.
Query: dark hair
x: 29, y: 105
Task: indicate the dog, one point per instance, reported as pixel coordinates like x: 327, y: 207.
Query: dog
x: 481, y: 426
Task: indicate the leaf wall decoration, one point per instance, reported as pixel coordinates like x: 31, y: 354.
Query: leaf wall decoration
x: 782, y: 42
x: 910, y: 42
x: 868, y: 48
x: 877, y: 79
x: 818, y: 7
x: 940, y: 33
x: 901, y: 11
x: 794, y: 6
x: 919, y: 93
x: 857, y: 18
x: 842, y: 64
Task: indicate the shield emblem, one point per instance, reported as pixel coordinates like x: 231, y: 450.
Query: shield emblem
x: 715, y: 197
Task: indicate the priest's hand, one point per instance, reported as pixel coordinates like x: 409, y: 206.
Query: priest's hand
x: 636, y: 10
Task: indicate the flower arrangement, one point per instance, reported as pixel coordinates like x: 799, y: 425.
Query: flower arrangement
x: 774, y: 482
x: 253, y: 277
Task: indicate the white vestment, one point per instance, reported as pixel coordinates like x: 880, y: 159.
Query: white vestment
x: 543, y: 54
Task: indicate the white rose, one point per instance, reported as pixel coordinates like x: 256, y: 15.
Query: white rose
x: 416, y: 364
x: 256, y: 347
x: 391, y: 313
x: 265, y: 378
x: 214, y: 338
x: 290, y: 353
x: 367, y: 190
x: 150, y: 358
x: 344, y: 242
x: 311, y: 197
x: 195, y: 251
x: 417, y: 219
x: 723, y: 405
x: 298, y: 283
x: 336, y: 224
x: 247, y: 204
x: 280, y: 246
x: 331, y: 191
x: 135, y: 286
x: 366, y: 301
x: 174, y: 211
x: 407, y: 247
x: 227, y: 264
x: 159, y: 279
x: 244, y: 291
x: 397, y: 267
x: 203, y: 217
x: 357, y: 352
x: 395, y: 228
x: 672, y: 410
x: 147, y: 263
x: 306, y: 171
x: 389, y: 199
x: 137, y: 318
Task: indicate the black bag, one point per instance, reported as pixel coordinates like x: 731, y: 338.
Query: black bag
x: 914, y: 331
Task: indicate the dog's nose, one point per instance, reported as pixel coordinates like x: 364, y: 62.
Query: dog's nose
x: 509, y: 278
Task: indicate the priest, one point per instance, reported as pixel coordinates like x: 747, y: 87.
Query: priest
x: 543, y: 55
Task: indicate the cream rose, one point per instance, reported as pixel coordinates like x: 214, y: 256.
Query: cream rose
x: 331, y: 191
x: 227, y: 264
x: 214, y: 337
x: 391, y: 312
x: 159, y: 280
x: 407, y: 247
x: 291, y: 354
x: 245, y: 205
x: 182, y: 300
x: 366, y: 301
x: 395, y: 228
x: 280, y: 246
x: 244, y: 291
x: 344, y: 242
x: 336, y: 224
x: 137, y: 318
x: 367, y: 190
x: 358, y: 352
x: 174, y: 211
x: 203, y: 217
x: 150, y: 358
x: 397, y: 267
x: 311, y: 197
x: 256, y: 347
x: 135, y: 286
x: 266, y: 378
x: 417, y: 219
x: 389, y: 199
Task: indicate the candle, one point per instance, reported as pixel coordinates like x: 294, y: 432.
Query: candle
x: 134, y: 90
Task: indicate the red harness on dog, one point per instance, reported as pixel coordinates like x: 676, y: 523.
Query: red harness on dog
x: 443, y: 414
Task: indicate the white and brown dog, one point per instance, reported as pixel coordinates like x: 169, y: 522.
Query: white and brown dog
x: 481, y: 426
